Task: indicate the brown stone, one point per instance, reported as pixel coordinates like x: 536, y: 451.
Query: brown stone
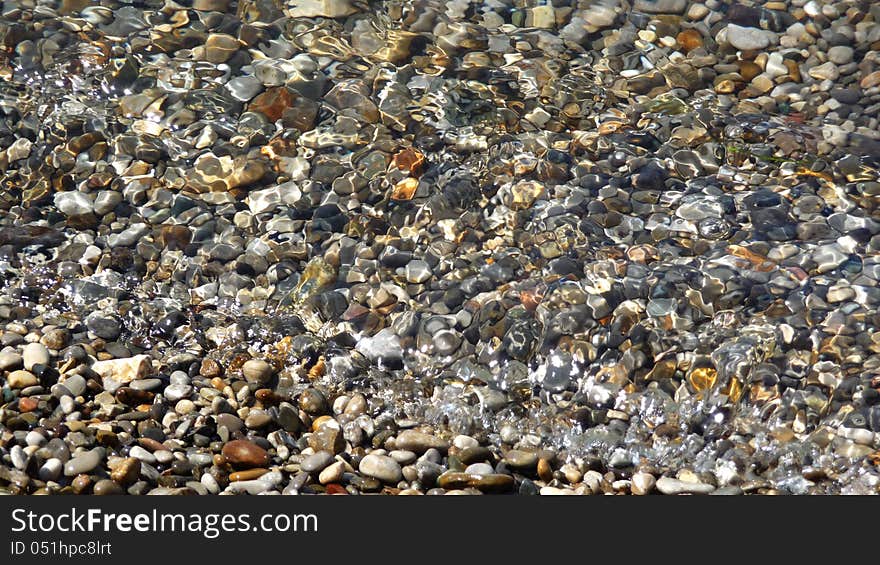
x: 748, y: 69
x: 869, y: 81
x: 133, y: 396
x: 410, y: 160
x: 794, y: 72
x: 174, y: 238
x: 210, y: 369
x: 27, y: 404
x: 689, y: 40
x: 106, y: 487
x: 150, y: 444
x: 127, y: 472
x: 545, y: 472
x: 247, y: 475
x: 273, y: 102
x: 327, y: 438
x: 245, y: 455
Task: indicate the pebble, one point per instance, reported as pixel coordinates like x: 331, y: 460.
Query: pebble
x: 35, y: 354
x: 10, y: 360
x: 747, y: 38
x: 668, y: 485
x: 21, y: 379
x: 381, y: 467
x: 643, y: 483
x: 419, y: 442
x: 257, y: 371
x: 316, y: 462
x: 332, y: 473
x: 83, y: 463
x: 244, y: 454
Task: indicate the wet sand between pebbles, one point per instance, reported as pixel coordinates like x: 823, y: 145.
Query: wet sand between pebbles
x: 426, y: 247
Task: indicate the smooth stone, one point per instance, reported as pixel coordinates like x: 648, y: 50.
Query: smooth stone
x: 825, y: 71
x: 265, y: 483
x: 668, y: 485
x: 419, y: 442
x: 381, y: 467
x: 84, y: 462
x: 106, y: 487
x: 51, y: 469
x: 332, y: 473
x: 244, y: 454
x: 257, y: 371
x: 76, y: 384
x: 35, y: 354
x: 35, y: 438
x: 840, y: 54
x: 494, y: 482
x: 316, y: 462
x: 479, y: 469
x: 747, y: 38
x: 142, y: 454
x: 519, y: 459
x: 220, y: 47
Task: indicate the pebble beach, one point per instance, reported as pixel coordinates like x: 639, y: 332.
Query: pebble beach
x: 425, y: 247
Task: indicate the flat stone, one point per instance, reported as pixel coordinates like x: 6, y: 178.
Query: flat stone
x: 668, y: 485
x: 825, y: 71
x: 495, y: 482
x: 747, y: 38
x: 84, y: 462
x: 418, y: 442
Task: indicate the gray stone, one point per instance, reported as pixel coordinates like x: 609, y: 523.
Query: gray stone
x: 73, y: 203
x: 747, y: 38
x: 316, y: 462
x: 381, y: 467
x: 84, y: 462
x: 257, y: 371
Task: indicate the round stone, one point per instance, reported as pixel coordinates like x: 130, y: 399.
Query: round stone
x: 257, y: 371
x: 381, y: 467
